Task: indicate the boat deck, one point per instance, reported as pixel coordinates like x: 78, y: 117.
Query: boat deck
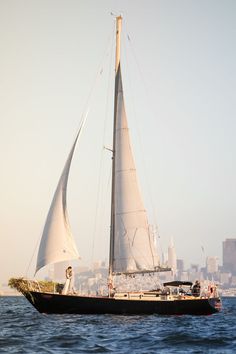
x: 153, y: 296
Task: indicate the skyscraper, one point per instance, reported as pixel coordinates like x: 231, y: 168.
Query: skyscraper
x: 172, y: 262
x: 229, y: 255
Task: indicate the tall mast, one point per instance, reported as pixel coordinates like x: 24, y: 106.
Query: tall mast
x: 117, y: 68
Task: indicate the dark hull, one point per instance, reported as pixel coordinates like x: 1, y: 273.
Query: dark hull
x: 70, y: 304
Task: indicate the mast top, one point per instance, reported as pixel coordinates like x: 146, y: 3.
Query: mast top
x: 118, y: 34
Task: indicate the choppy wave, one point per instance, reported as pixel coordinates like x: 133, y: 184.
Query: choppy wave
x: 24, y: 330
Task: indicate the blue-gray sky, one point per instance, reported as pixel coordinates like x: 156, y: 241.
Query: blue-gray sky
x: 179, y: 77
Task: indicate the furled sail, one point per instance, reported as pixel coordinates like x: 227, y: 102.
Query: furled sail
x: 57, y: 242
x: 133, y: 245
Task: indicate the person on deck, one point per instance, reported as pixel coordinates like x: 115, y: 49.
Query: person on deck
x: 68, y: 284
x: 196, y: 289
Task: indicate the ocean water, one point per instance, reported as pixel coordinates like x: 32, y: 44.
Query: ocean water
x: 24, y: 330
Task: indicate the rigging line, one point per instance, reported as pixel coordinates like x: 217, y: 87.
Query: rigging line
x: 137, y: 63
x: 31, y: 259
x: 103, y: 208
x: 138, y: 129
x: 151, y: 246
x: 98, y: 74
x: 99, y: 190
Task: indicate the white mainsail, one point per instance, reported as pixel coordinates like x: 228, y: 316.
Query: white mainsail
x: 57, y: 242
x: 133, y: 246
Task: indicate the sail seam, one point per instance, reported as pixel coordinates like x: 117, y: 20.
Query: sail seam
x: 129, y: 169
x: 131, y: 212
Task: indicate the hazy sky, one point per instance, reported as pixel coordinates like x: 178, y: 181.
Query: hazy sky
x: 179, y: 77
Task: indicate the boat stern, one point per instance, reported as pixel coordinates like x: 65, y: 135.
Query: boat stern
x: 215, y: 303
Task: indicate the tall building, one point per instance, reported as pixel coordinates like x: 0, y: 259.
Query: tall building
x: 180, y: 265
x: 212, y: 264
x: 172, y: 261
x: 229, y: 255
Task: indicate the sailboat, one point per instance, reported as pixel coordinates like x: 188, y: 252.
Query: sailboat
x: 132, y: 247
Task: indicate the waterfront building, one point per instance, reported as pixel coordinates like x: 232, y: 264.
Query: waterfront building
x: 229, y: 255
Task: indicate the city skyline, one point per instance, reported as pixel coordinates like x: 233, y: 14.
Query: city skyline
x: 211, y: 264
x: 93, y: 277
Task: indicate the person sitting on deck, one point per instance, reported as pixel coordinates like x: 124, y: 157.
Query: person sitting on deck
x: 196, y: 289
x: 166, y: 291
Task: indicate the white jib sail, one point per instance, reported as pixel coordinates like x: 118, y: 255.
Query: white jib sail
x: 134, y: 248
x: 57, y: 242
